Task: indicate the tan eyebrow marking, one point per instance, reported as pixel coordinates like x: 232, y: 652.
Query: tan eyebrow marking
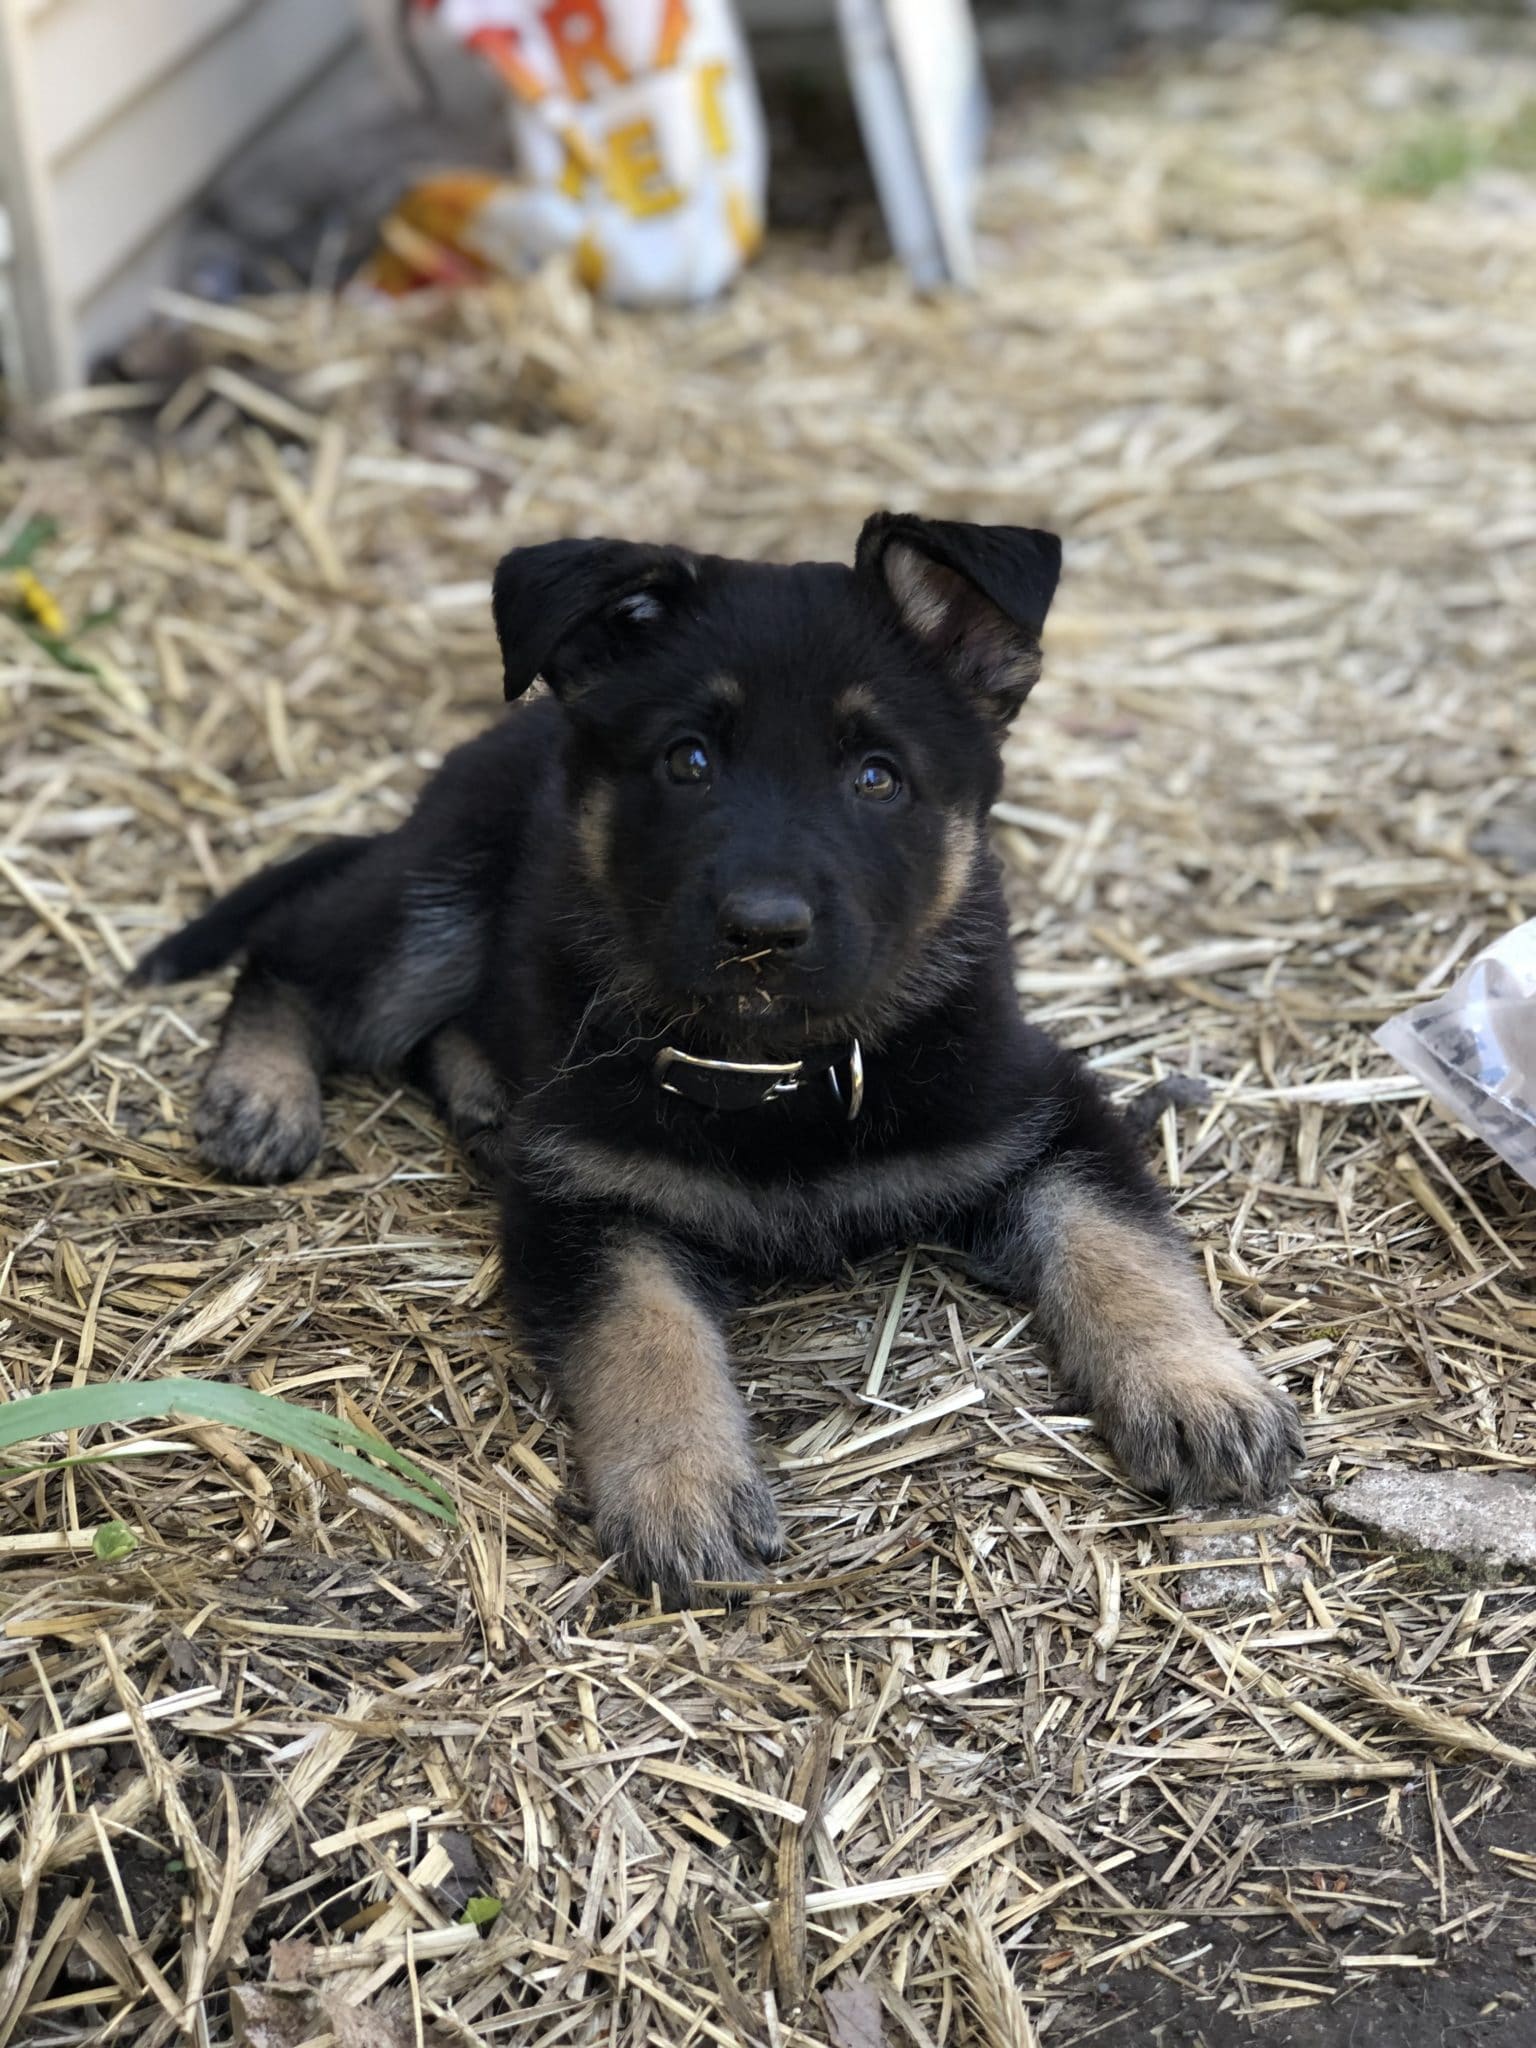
x: 726, y: 690
x: 857, y: 701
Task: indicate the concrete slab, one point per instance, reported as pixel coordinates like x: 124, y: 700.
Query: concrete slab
x: 1486, y: 1518
x: 1230, y: 1559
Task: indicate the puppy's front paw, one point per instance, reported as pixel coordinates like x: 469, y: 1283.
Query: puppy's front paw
x: 260, y: 1129
x: 1204, y: 1426
x: 684, y: 1519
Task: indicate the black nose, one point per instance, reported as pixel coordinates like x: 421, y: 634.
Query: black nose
x: 765, y: 920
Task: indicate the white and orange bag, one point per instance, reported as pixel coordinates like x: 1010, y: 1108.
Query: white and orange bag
x: 640, y: 145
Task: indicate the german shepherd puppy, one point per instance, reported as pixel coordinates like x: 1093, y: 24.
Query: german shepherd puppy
x: 703, y: 952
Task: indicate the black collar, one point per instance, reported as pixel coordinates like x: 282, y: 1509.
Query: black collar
x: 751, y: 1084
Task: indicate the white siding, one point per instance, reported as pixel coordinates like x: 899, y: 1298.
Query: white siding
x: 114, y: 115
x: 133, y: 44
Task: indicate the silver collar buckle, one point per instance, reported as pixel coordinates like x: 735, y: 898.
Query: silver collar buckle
x: 776, y: 1077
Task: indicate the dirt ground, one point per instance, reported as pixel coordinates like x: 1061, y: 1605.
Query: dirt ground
x: 987, y: 1763
x: 1486, y: 1999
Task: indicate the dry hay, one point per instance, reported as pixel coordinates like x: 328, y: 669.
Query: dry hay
x: 969, y: 1771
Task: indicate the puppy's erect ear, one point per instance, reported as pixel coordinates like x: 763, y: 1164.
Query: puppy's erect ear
x: 976, y: 596
x: 569, y: 608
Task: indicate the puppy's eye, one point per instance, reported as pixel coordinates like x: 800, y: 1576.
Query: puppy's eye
x: 877, y: 779
x: 686, y: 762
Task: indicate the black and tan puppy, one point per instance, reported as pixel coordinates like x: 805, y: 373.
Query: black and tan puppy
x: 704, y: 951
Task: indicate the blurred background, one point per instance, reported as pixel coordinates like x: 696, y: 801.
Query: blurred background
x: 232, y: 146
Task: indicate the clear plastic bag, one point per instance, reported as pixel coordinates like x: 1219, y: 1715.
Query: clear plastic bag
x: 1474, y: 1047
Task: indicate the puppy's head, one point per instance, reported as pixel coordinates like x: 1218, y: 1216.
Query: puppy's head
x: 780, y: 775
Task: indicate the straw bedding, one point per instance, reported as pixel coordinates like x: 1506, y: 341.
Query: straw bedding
x: 987, y: 1764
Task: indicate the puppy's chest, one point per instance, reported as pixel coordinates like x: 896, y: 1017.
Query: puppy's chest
x: 800, y: 1213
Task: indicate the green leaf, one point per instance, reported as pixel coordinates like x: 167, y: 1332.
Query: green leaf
x: 35, y: 533
x: 1447, y: 150
x: 114, y: 1540
x: 480, y: 1911
x: 61, y: 651
x: 1441, y: 153
x: 363, y: 1459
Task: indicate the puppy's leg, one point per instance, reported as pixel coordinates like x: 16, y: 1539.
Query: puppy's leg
x: 1188, y: 1415
x: 471, y: 1097
x: 663, y: 1437
x: 357, y: 972
x: 259, y: 1116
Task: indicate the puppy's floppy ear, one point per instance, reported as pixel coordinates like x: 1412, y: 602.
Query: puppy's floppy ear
x: 976, y: 596
x: 568, y: 608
